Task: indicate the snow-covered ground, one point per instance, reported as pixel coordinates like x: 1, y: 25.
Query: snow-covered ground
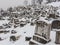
x: 20, y: 31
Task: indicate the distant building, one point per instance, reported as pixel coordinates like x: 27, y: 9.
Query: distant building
x: 34, y: 2
x: 25, y: 2
x: 52, y: 1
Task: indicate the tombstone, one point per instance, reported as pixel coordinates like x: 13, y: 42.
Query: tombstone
x: 12, y: 38
x: 1, y: 39
x: 13, y: 32
x: 42, y: 32
x: 32, y: 43
x: 56, y: 26
x: 27, y: 38
x: 57, y: 41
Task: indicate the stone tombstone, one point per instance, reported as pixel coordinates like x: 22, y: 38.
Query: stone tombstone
x: 42, y: 32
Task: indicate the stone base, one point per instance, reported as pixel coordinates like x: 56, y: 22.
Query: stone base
x: 44, y: 41
x: 32, y: 43
x: 57, y: 42
x: 40, y: 39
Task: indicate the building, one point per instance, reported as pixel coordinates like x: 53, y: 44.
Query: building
x: 52, y: 1
x: 35, y: 2
x: 25, y: 2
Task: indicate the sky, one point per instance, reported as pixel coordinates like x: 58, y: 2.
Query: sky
x: 8, y: 3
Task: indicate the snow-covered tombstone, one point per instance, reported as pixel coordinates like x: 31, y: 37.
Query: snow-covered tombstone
x: 14, y: 38
x: 42, y: 32
x: 56, y: 27
x: 27, y: 38
x: 57, y: 41
x: 13, y: 32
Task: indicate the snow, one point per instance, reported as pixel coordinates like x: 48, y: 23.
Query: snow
x: 55, y: 4
x: 58, y: 11
x: 29, y: 33
x: 23, y: 19
x: 3, y: 22
x: 49, y: 21
x: 20, y: 32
